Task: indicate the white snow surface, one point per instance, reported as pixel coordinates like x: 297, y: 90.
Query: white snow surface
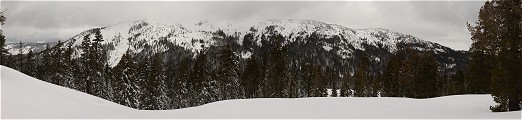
x: 27, y: 97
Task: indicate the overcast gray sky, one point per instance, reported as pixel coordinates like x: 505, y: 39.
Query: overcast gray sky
x: 443, y: 22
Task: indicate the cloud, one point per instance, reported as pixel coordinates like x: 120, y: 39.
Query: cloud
x: 438, y: 21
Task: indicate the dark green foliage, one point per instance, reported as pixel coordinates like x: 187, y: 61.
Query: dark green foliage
x: 361, y: 77
x: 144, y: 84
x: 455, y: 84
x: 483, y: 50
x: 410, y: 73
x: 30, y: 64
x: 3, y: 51
x: 228, y: 74
x: 277, y: 74
x: 251, y: 78
x: 345, y: 85
x: 496, y: 50
x: 125, y: 84
x: 83, y: 75
x: 391, y: 76
x: 201, y: 83
x: 291, y: 88
x: 181, y: 85
x: 20, y: 58
x: 318, y: 88
x: 157, y: 84
x: 426, y: 78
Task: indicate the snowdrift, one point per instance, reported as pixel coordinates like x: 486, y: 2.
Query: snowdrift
x: 27, y: 97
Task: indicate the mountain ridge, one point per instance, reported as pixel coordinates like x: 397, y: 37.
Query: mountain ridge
x: 135, y: 35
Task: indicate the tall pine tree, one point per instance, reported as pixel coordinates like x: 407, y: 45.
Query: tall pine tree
x: 496, y: 51
x: 251, y: 78
x: 228, y: 74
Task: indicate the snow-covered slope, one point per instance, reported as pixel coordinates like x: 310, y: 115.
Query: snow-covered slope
x: 14, y: 48
x: 140, y: 35
x: 27, y: 97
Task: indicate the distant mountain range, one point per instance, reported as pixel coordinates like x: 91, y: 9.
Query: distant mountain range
x: 15, y: 49
x: 337, y: 45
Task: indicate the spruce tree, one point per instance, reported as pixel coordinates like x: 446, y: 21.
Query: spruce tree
x: 30, y: 64
x: 96, y: 64
x: 158, y: 84
x: 277, y: 73
x: 291, y: 85
x: 147, y: 101
x: 126, y: 90
x: 181, y: 84
x: 345, y: 85
x: 361, y: 77
x: 3, y: 51
x: 201, y: 80
x: 483, y: 50
x: 251, y: 78
x: 229, y: 74
x: 334, y: 89
x: 510, y: 55
x: 496, y: 44
x: 85, y: 59
x: 318, y: 89
x: 426, y: 79
x: 20, y: 57
x: 46, y: 69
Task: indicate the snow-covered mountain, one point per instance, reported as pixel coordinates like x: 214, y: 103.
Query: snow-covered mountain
x: 24, y: 97
x: 14, y: 48
x: 340, y: 45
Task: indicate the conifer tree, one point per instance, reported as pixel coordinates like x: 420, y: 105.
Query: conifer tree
x: 426, y: 79
x: 496, y: 44
x: 158, y: 84
x: 126, y: 91
x: 69, y: 68
x: 56, y: 65
x: 483, y: 50
x: 459, y: 79
x: 361, y: 77
x: 20, y: 57
x: 85, y: 59
x: 181, y: 83
x: 345, y: 85
x: 30, y: 65
x: 96, y: 64
x: 46, y: 69
x: 3, y: 51
x: 278, y: 69
x: 291, y: 85
x: 201, y: 78
x: 318, y: 89
x: 392, y: 83
x: 147, y: 101
x: 307, y: 77
x: 251, y: 78
x: 229, y: 74
x: 334, y: 89
x: 510, y: 53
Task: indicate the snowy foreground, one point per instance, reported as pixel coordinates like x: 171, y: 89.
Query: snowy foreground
x: 27, y: 97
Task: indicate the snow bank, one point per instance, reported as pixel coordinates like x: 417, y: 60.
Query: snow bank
x: 27, y: 97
